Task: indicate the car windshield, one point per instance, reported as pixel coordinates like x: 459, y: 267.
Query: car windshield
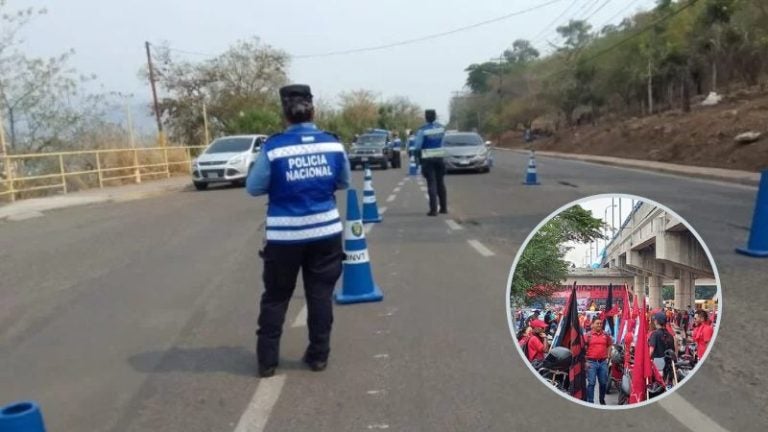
x: 230, y: 145
x: 371, y: 140
x: 462, y: 140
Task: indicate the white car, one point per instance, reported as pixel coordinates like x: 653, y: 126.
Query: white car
x: 226, y: 160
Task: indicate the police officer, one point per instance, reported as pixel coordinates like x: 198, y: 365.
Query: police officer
x: 299, y: 169
x: 429, y: 142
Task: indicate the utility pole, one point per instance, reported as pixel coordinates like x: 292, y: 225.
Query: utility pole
x: 501, y: 96
x: 205, y: 125
x: 650, y: 87
x: 7, y: 162
x: 160, y: 137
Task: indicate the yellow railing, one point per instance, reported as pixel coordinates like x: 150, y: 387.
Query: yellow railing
x: 39, y: 174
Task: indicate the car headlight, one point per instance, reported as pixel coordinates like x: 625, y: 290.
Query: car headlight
x: 237, y: 160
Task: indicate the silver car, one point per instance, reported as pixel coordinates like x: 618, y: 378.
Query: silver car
x: 466, y: 151
x: 226, y: 160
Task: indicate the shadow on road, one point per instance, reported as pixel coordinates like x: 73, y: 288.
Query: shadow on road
x: 234, y: 360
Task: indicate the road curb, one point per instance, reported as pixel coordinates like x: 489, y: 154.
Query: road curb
x: 35, y: 207
x: 708, y: 173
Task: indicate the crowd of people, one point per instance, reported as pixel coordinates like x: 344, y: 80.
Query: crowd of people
x: 675, y: 340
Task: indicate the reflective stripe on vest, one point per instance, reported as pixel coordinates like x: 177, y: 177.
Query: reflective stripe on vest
x: 432, y: 153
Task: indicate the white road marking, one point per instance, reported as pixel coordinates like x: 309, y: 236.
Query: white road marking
x: 423, y: 188
x: 480, y: 248
x: 382, y: 210
x: 391, y: 198
x: 301, y: 318
x: 426, y: 195
x: 375, y: 392
x: 453, y: 225
x: 380, y: 332
x: 397, y: 189
x: 378, y: 426
x: 688, y: 415
x: 256, y: 415
x: 381, y: 356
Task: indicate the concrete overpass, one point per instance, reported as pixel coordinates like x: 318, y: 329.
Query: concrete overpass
x: 656, y: 248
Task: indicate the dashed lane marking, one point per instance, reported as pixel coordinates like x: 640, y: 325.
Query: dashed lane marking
x: 256, y: 415
x: 391, y: 198
x: 382, y: 210
x: 397, y: 189
x: 381, y: 356
x: 480, y: 248
x: 453, y: 225
x: 688, y: 415
x: 378, y: 426
x: 423, y: 188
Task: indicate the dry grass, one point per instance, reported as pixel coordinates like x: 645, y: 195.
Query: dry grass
x: 41, y: 175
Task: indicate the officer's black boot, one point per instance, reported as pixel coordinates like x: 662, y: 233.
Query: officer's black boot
x: 315, y: 365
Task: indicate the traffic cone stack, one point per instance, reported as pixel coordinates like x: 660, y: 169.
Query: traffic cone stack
x: 357, y: 284
x: 21, y: 417
x: 530, y: 175
x: 370, y: 208
x: 757, y: 246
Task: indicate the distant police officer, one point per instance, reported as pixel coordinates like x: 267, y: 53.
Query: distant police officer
x: 299, y: 169
x: 429, y: 141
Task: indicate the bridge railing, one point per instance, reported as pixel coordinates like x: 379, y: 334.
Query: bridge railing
x: 35, y: 175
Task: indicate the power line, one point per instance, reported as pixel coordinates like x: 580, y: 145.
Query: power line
x: 619, y: 13
x: 428, y: 37
x: 548, y: 27
x: 597, y: 10
x: 585, y: 7
x: 632, y: 36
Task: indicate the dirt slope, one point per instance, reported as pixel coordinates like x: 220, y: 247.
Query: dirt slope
x: 703, y: 137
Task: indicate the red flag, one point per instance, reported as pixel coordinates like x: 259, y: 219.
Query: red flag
x: 635, y: 307
x: 643, y: 370
x: 573, y: 339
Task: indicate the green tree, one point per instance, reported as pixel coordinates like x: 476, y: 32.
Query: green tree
x: 239, y: 87
x: 542, y: 267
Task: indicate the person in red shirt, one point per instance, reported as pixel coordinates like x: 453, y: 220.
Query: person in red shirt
x: 702, y: 333
x: 535, y: 345
x: 598, y: 346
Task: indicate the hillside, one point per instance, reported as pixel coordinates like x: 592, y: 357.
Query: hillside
x: 703, y: 137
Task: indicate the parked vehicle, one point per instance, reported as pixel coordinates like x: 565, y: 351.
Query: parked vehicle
x: 226, y: 160
x: 466, y: 151
x: 373, y: 148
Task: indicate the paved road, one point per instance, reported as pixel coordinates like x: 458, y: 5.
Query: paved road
x: 139, y: 316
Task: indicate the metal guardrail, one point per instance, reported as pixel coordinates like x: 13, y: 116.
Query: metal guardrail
x: 38, y: 174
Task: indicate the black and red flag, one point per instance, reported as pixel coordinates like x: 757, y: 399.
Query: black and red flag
x: 609, y: 311
x: 573, y: 338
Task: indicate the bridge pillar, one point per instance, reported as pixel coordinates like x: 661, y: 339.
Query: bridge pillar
x: 685, y: 290
x: 654, y: 292
x: 639, y: 287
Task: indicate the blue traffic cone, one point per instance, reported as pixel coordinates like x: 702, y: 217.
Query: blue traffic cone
x: 413, y: 169
x: 21, y: 417
x: 357, y: 284
x: 757, y: 246
x: 530, y: 175
x: 370, y: 208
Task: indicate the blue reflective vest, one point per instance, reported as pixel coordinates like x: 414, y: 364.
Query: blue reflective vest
x: 305, y: 164
x: 432, y: 140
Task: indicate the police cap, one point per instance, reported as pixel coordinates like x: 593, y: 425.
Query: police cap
x: 296, y: 91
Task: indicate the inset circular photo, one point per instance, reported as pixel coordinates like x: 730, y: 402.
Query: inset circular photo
x: 614, y: 301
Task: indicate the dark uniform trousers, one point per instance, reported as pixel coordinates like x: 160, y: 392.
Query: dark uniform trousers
x: 433, y: 169
x: 320, y: 262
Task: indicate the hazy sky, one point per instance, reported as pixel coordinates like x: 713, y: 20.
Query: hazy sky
x: 578, y: 255
x: 109, y: 36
